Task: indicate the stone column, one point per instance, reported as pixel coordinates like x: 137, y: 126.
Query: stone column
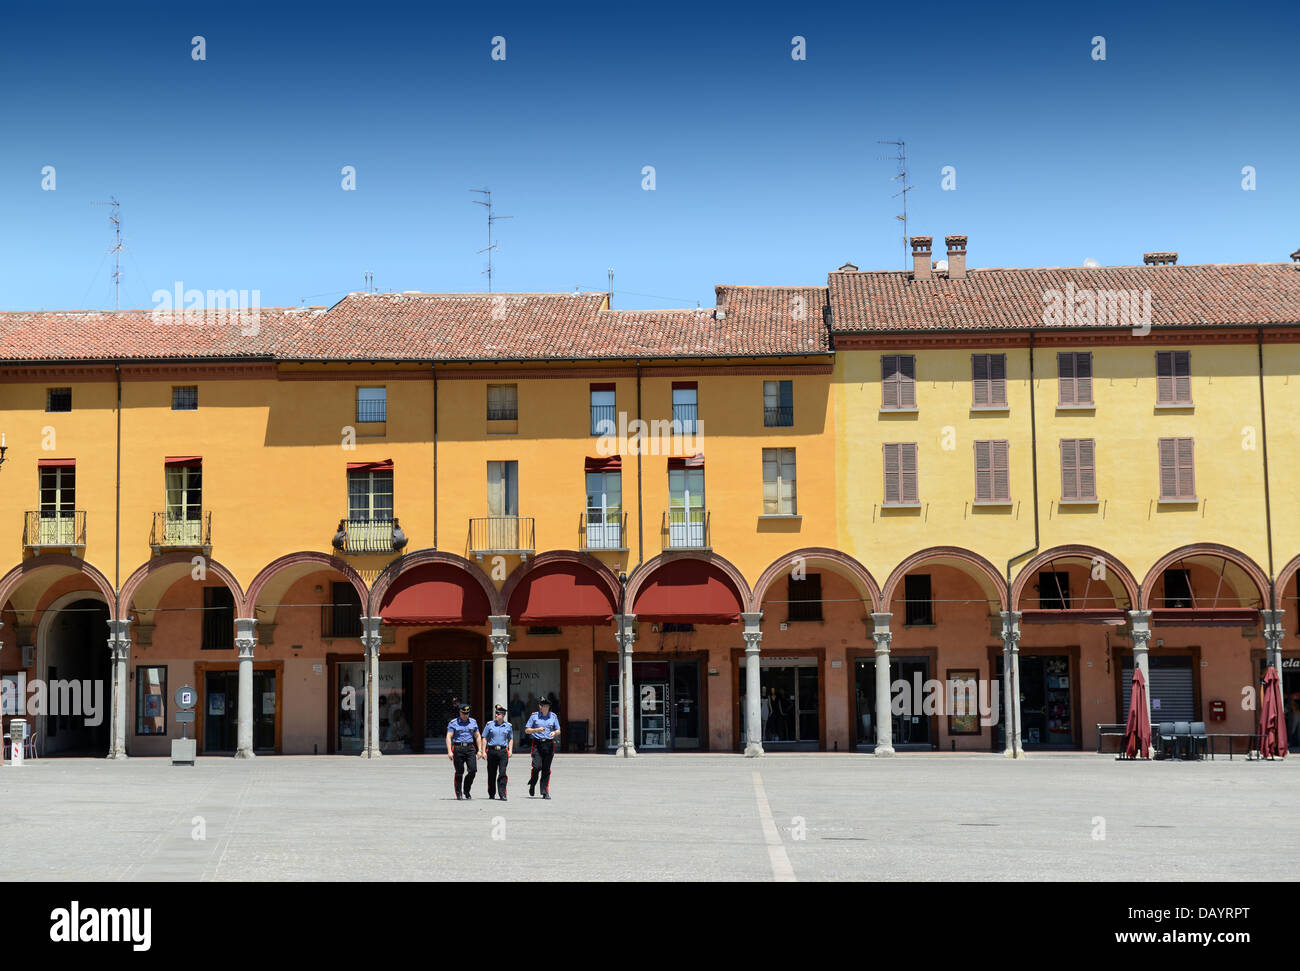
x: 625, y: 634
x: 753, y: 686
x: 245, y: 641
x: 1140, y: 631
x: 1014, y: 748
x: 119, y: 649
x: 370, y: 638
x: 500, y: 638
x: 1273, y: 634
x: 884, y: 716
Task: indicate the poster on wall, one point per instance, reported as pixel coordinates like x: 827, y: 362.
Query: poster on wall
x: 268, y: 702
x: 153, y: 706
x: 963, y: 701
x: 216, y: 704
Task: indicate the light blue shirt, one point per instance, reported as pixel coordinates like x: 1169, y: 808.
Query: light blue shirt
x: 550, y: 723
x: 462, y: 731
x: 494, y: 734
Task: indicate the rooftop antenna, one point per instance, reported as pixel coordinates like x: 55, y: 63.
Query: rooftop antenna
x: 491, y: 218
x: 370, y: 281
x: 901, y: 159
x: 115, y: 217
x: 611, y: 288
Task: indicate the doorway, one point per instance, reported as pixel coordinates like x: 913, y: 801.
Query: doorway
x: 77, y: 720
x: 221, y: 711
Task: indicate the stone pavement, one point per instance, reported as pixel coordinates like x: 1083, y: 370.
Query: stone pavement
x: 657, y: 817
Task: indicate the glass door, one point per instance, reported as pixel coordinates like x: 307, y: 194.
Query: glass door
x: 58, y: 519
x: 686, y: 704
x: 503, y: 506
x: 184, y: 521
x: 686, y: 507
x: 446, y: 684
x: 264, y: 705
x: 652, y: 720
x: 220, y: 711
x: 370, y: 509
x: 604, y: 510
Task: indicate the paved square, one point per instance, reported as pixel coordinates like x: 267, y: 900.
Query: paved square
x: 658, y: 817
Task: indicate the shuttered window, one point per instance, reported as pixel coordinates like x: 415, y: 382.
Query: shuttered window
x: 1078, y: 469
x: 992, y: 471
x: 1173, y: 377
x: 900, y: 474
x: 1074, y: 377
x: 897, y: 381
x: 1177, y: 479
x: 778, y: 482
x: 989, y: 380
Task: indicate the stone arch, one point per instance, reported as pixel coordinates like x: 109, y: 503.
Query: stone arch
x: 384, y: 582
x: 177, y: 565
x: 971, y: 563
x: 1076, y: 551
x: 16, y: 577
x: 837, y: 561
x: 1285, y: 577
x: 1239, y: 559
x: 640, y: 577
x: 551, y: 559
x: 300, y: 564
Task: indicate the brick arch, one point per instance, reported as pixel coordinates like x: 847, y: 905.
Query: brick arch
x: 969, y: 562
x: 840, y: 562
x: 160, y: 563
x: 15, y: 577
x: 1113, y: 564
x: 1286, y: 576
x: 1233, y: 556
x: 324, y: 560
x: 637, y: 581
x: 606, y: 577
x: 418, y: 558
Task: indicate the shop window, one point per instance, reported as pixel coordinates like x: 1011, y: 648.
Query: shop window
x: 185, y: 398
x: 672, y: 628
x: 806, y: 598
x: 58, y: 399
x: 150, y: 700
x: 542, y: 630
x: 919, y: 610
x: 1053, y: 590
x: 218, y: 619
x: 1178, y: 588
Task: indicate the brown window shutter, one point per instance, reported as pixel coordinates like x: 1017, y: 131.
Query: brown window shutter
x: 1182, y: 376
x: 907, y: 381
x: 979, y: 364
x: 1168, y: 469
x: 1069, y: 468
x: 1087, y: 449
x: 892, y: 490
x: 983, y: 471
x: 1186, y: 476
x: 997, y: 379
x: 889, y: 381
x: 1164, y: 377
x: 1065, y: 378
x: 1001, y: 470
x: 907, y: 473
x: 1083, y: 378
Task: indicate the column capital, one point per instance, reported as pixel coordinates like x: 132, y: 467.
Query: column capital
x: 1140, y: 629
x: 1272, y: 621
x: 245, y: 636
x: 625, y: 630
x: 500, y: 636
x: 880, y: 632
x: 1011, y: 630
x: 370, y: 633
x: 753, y: 633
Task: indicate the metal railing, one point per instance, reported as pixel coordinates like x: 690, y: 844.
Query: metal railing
x: 369, y: 536
x: 60, y: 528
x: 372, y: 411
x: 501, y: 534
x: 507, y: 413
x: 597, y: 530
x: 685, y: 529
x: 778, y: 416
x: 604, y: 419
x: 685, y: 415
x: 171, y: 533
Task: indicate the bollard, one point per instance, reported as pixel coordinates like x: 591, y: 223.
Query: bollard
x: 17, y: 740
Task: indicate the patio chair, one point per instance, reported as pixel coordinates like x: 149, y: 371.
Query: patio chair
x: 1182, y: 733
x: 1166, y: 733
x: 1197, y: 740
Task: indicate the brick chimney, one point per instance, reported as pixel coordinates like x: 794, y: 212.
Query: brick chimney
x: 956, y: 257
x: 921, y: 257
x: 1160, y: 259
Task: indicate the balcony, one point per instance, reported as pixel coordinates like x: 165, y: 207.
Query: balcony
x: 685, y: 417
x: 181, y: 534
x: 495, y: 535
x: 778, y: 416
x: 369, y: 536
x: 604, y: 420
x: 685, y: 529
x: 63, y: 529
x: 599, y: 530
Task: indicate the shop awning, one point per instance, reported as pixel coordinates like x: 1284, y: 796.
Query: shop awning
x: 688, y: 592
x: 386, y: 464
x: 435, y: 593
x: 183, y: 460
x: 560, y: 594
x: 687, y: 462
x: 56, y: 463
x: 606, y: 463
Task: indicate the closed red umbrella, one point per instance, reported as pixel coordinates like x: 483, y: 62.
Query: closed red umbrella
x: 1137, y: 731
x: 1272, y: 729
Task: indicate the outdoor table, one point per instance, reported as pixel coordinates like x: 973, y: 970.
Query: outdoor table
x: 1230, y: 736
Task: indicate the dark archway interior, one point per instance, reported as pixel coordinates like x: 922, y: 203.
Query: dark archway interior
x: 78, y: 677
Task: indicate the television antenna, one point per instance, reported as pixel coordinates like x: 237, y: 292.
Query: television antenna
x: 901, y: 159
x: 491, y: 218
x: 115, y: 217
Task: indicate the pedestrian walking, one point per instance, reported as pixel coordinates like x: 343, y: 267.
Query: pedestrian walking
x: 499, y: 739
x: 542, y: 728
x: 464, y: 748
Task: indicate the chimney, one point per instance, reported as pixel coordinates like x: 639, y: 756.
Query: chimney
x: 1159, y: 259
x: 956, y: 257
x: 1296, y: 256
x: 921, y: 257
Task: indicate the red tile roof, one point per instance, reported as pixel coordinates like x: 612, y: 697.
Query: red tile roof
x: 1231, y: 295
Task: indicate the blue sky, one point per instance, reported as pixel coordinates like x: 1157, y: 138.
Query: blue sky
x: 767, y: 169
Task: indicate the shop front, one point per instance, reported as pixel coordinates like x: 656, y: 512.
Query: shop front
x: 1049, y: 698
x: 1172, y: 687
x: 791, y: 707
x: 526, y: 682
x: 217, y: 713
x: 669, y: 714
x: 1290, y: 693
x: 912, y: 729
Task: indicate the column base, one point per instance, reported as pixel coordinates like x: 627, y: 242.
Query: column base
x: 117, y: 755
x: 376, y: 754
x: 753, y: 750
x: 626, y: 751
x: 245, y: 753
x: 1014, y: 753
x: 883, y: 752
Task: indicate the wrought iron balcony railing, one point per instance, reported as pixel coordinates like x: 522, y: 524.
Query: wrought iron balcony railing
x: 778, y: 416
x: 604, y: 420
x: 599, y: 530
x: 170, y: 533
x: 501, y: 534
x: 369, y: 536
x: 686, y: 529
x: 60, y: 529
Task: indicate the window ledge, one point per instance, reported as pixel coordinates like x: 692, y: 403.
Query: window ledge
x: 781, y: 515
x: 1176, y: 406
x: 1080, y: 407
x: 1078, y: 502
x: 1006, y: 408
x: 1177, y: 502
x: 993, y: 502
x: 900, y: 505
x: 920, y: 625
x: 900, y: 411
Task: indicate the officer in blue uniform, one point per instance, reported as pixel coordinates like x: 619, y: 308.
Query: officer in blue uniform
x: 499, y: 740
x: 542, y: 728
x: 464, y: 748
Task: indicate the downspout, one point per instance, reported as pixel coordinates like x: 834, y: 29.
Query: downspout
x: 433, y: 368
x: 117, y: 525
x: 1268, y: 506
x: 640, y: 508
x: 1033, y: 454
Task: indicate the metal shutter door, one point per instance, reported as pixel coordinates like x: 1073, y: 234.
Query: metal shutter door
x: 1171, y: 685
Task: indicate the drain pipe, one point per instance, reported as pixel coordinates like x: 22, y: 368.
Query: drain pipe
x: 433, y: 368
x: 1268, y: 506
x: 1008, y: 671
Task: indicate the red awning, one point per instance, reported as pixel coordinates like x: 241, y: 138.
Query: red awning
x: 435, y: 593
x: 183, y: 460
x: 562, y: 593
x: 688, y: 592
x: 386, y: 464
x: 605, y: 463
x: 689, y: 462
x: 56, y: 463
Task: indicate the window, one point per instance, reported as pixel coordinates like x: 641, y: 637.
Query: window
x: 503, y: 402
x: 372, y: 404
x: 58, y: 491
x: 604, y: 410
x: 1178, y: 588
x: 778, y: 404
x: 183, y: 522
x: 185, y: 398
x: 1053, y: 590
x: 503, y: 488
x: 1173, y: 377
x: 686, y: 407
x: 1177, y: 481
x: 989, y: 380
x: 150, y: 700
x: 342, y: 615
x: 674, y: 628
x: 1078, y: 469
x: 900, y: 474
x: 686, y: 514
x: 1074, y: 378
x: 218, y: 619
x: 897, y: 382
x: 992, y: 472
x: 370, y: 495
x: 605, y: 510
x: 919, y: 603
x: 778, y: 482
x: 806, y: 598
x: 58, y: 399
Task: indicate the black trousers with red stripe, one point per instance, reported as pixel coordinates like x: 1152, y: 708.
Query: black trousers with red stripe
x: 543, y: 752
x: 465, y: 759
x: 497, y: 762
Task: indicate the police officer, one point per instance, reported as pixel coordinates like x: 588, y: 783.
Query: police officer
x: 463, y: 734
x: 542, y: 728
x: 499, y: 739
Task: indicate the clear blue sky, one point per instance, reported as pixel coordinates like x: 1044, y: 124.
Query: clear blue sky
x: 768, y: 169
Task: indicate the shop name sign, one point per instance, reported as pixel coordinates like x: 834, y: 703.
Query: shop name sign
x: 84, y: 699
x: 958, y: 698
